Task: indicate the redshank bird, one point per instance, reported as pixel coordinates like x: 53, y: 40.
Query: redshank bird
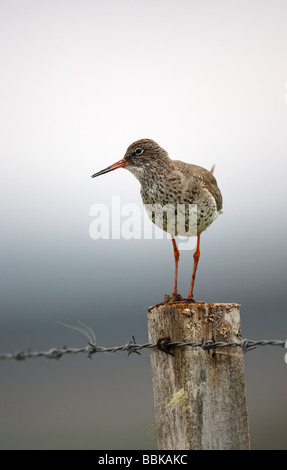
x: 171, y: 184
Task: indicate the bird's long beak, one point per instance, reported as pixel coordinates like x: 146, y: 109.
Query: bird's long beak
x: 120, y: 164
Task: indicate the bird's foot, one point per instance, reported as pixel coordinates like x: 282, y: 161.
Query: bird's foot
x: 190, y: 299
x: 176, y: 299
x: 170, y: 299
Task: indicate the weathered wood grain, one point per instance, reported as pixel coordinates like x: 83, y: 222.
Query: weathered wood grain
x: 200, y: 398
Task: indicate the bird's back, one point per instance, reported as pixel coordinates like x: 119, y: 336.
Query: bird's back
x: 198, y: 180
x: 179, y: 184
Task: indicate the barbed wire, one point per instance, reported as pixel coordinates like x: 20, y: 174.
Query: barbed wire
x: 131, y: 347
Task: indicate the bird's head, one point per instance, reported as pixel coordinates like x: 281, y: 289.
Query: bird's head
x: 140, y: 157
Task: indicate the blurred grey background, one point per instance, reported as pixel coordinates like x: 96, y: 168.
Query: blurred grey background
x: 80, y: 81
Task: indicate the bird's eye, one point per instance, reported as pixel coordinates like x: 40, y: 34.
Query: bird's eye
x: 138, y: 151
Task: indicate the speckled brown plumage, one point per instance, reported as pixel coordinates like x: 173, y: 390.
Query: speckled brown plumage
x: 165, y: 181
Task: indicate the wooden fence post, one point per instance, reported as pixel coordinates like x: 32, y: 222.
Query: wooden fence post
x: 199, y: 396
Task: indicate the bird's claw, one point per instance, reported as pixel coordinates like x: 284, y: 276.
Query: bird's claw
x: 171, y: 299
x: 176, y: 299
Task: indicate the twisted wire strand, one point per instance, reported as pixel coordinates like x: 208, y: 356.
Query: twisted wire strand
x: 133, y: 347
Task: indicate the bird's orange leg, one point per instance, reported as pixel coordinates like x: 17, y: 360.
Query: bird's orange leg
x: 176, y: 258
x: 175, y: 296
x: 196, y: 259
